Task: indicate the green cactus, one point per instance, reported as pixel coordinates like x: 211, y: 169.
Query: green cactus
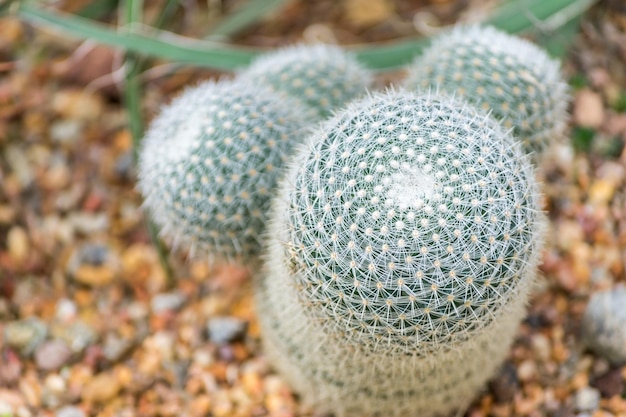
x: 324, y: 77
x: 604, y: 324
x: 402, y: 248
x: 510, y: 76
x: 210, y: 162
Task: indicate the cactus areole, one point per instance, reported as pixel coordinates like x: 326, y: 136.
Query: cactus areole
x: 412, y: 221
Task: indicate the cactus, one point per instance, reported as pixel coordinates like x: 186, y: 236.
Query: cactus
x: 323, y: 77
x: 510, y: 76
x: 402, y: 248
x: 604, y: 324
x: 210, y: 162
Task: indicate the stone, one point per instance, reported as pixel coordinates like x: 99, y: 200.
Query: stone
x: 164, y: 302
x: 223, y: 330
x: 25, y: 335
x: 70, y: 411
x: 587, y: 399
x: 52, y: 355
x: 101, y: 388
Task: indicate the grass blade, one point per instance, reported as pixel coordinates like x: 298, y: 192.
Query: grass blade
x: 517, y: 16
x: 157, y: 43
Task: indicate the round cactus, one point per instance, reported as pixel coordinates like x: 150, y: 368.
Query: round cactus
x: 604, y: 324
x: 324, y: 77
x: 510, y: 76
x: 210, y: 162
x: 403, y: 245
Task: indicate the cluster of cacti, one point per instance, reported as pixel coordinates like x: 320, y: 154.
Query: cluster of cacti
x: 604, y: 324
x: 323, y: 77
x: 210, y: 161
x: 404, y: 242
x: 513, y: 78
x: 406, y: 233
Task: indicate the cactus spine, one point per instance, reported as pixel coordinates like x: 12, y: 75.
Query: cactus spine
x: 210, y: 162
x: 512, y: 77
x: 403, y: 244
x: 324, y: 77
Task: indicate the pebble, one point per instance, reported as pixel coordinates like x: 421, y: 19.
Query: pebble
x: 165, y: 302
x: 66, y: 131
x: 55, y: 383
x: 70, y: 411
x: 18, y: 244
x: 604, y: 324
x: 223, y: 330
x: 101, y: 388
x: 52, y: 355
x: 115, y: 347
x: 88, y: 223
x: 610, y: 383
x: 93, y: 264
x: 25, y: 335
x: 540, y: 345
x: 19, y: 165
x: 588, y: 109
x: 66, y: 310
x: 5, y: 409
x: 77, y: 104
x: 527, y: 370
x: 77, y: 335
x: 124, y: 165
x: 587, y: 399
x: 94, y: 276
x: 93, y: 254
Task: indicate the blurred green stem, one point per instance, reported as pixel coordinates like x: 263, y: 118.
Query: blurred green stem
x: 132, y: 99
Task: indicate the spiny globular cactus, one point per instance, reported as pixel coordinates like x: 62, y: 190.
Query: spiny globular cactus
x: 604, y: 324
x: 324, y: 77
x: 510, y: 76
x: 402, y: 248
x: 210, y: 162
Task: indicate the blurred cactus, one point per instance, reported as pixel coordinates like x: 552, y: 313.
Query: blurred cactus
x: 324, y: 77
x: 403, y: 245
x: 510, y: 76
x: 604, y: 324
x: 209, y: 164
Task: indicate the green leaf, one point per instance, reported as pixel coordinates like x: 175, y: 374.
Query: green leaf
x: 157, y: 44
x: 515, y: 16
x: 246, y: 15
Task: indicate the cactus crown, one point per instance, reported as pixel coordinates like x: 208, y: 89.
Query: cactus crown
x: 411, y: 219
x: 323, y: 77
x: 510, y: 76
x: 209, y: 163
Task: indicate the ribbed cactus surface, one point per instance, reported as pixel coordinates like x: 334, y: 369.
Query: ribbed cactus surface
x: 405, y: 239
x: 604, y: 324
x: 510, y: 76
x: 324, y: 77
x: 210, y: 162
